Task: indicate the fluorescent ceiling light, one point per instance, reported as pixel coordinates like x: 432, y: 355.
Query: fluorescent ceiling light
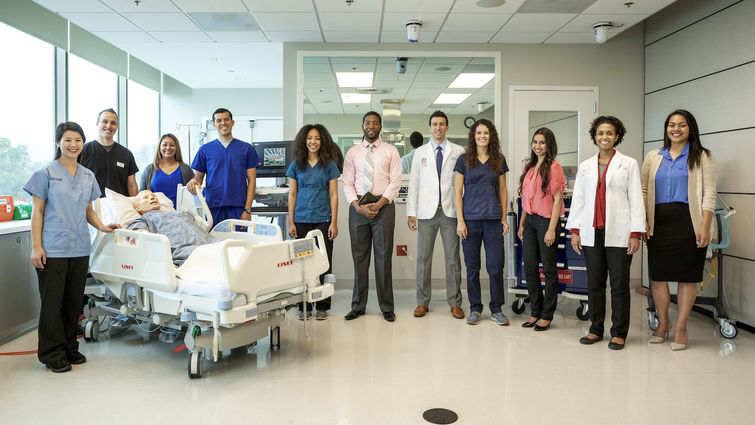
x: 354, y: 79
x: 451, y: 98
x: 471, y: 80
x: 356, y: 98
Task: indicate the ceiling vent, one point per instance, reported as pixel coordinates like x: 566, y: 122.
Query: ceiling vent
x: 217, y: 21
x: 555, y: 6
x: 374, y: 91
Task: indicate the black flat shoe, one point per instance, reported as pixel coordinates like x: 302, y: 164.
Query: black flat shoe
x: 530, y: 324
x: 76, y: 357
x: 615, y: 346
x: 59, y: 366
x: 589, y: 341
x: 353, y: 314
x: 539, y: 328
x: 389, y: 316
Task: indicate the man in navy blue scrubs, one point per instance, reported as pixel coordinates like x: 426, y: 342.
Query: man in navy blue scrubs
x: 231, y: 169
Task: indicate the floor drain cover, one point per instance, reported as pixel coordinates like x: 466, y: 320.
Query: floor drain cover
x: 440, y: 416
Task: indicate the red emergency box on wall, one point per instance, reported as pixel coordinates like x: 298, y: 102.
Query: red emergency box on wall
x: 6, y: 208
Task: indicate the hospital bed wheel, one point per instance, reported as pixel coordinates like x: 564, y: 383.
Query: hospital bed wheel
x: 652, y: 320
x: 518, y: 306
x: 582, y: 311
x: 728, y: 330
x: 195, y: 365
x: 91, y: 331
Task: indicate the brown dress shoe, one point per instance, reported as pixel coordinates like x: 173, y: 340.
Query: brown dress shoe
x: 457, y: 312
x: 420, y: 311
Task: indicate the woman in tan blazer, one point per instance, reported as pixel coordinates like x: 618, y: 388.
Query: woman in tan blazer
x: 679, y: 190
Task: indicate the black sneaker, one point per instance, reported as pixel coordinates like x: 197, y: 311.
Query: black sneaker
x: 76, y: 357
x: 59, y: 366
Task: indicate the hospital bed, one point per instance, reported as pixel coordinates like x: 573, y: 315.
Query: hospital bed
x: 225, y: 295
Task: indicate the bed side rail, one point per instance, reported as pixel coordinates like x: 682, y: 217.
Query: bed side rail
x: 254, y: 232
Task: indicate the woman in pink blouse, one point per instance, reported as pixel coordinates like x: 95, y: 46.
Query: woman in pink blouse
x: 541, y: 187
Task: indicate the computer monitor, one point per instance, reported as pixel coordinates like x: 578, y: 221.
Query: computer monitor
x: 275, y: 157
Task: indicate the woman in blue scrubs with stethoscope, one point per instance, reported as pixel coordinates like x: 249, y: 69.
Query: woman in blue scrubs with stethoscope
x: 62, y: 194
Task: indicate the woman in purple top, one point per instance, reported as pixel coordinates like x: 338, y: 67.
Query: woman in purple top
x: 167, y: 170
x: 480, y: 175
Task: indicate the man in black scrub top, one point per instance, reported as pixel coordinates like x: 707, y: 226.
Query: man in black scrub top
x: 112, y: 164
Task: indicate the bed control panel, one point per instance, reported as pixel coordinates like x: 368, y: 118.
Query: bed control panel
x: 302, y: 247
x: 263, y: 229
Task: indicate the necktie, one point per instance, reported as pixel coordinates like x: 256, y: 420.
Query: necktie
x: 438, y: 165
x: 369, y: 168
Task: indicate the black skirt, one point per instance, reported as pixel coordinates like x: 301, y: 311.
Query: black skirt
x: 673, y: 254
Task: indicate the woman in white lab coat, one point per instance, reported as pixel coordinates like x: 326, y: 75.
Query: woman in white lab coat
x: 607, y: 218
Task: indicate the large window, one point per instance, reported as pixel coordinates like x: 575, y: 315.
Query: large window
x: 143, y: 124
x: 91, y: 89
x: 27, y: 130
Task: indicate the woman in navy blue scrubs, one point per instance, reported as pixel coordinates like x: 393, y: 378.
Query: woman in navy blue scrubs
x: 167, y: 170
x: 313, y: 195
x: 480, y: 174
x: 62, y: 194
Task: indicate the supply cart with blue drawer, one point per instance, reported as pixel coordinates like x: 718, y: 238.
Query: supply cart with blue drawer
x: 572, y: 272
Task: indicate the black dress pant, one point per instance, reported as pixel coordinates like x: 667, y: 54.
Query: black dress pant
x: 603, y: 262
x: 301, y: 231
x: 365, y: 235
x: 535, y: 251
x: 61, y: 286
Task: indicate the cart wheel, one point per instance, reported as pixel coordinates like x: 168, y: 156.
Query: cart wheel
x: 275, y: 338
x: 652, y: 320
x: 518, y: 306
x: 91, y: 331
x: 195, y: 365
x: 728, y: 330
x: 582, y: 311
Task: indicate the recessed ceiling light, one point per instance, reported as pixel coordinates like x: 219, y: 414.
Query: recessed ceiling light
x: 354, y: 79
x: 490, y: 3
x: 451, y: 98
x: 471, y: 80
x: 326, y: 101
x: 442, y: 69
x: 355, y: 98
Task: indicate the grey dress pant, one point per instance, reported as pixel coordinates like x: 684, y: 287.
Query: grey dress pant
x: 427, y: 231
x: 366, y: 234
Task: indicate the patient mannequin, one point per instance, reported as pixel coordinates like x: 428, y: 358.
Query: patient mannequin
x: 182, y: 232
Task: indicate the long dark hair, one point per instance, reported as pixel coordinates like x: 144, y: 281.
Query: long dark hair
x: 159, y: 155
x: 494, y: 147
x: 696, y: 148
x: 551, y: 150
x: 61, y: 129
x: 326, y: 152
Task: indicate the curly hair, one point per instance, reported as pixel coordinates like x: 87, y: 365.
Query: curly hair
x: 696, y: 148
x: 618, y: 126
x: 551, y: 150
x: 494, y: 146
x: 327, y: 147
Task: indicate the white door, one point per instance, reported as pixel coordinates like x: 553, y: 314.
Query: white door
x: 567, y: 111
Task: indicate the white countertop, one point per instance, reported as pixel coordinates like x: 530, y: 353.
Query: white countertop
x: 14, y: 226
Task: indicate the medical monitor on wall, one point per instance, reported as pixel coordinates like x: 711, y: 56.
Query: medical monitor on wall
x: 275, y: 157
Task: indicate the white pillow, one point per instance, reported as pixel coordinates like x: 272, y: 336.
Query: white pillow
x: 119, y: 209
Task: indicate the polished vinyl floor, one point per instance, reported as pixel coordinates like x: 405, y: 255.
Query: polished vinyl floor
x: 369, y: 371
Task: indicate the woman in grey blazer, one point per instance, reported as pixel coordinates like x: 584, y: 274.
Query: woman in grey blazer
x: 167, y: 170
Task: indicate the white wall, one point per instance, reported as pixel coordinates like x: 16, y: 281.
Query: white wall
x: 616, y: 67
x: 699, y: 56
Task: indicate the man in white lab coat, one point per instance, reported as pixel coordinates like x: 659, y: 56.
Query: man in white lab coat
x: 430, y: 208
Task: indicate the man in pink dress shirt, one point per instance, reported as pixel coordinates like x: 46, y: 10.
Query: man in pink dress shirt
x: 372, y: 167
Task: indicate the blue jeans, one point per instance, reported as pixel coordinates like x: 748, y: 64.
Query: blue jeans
x: 489, y: 233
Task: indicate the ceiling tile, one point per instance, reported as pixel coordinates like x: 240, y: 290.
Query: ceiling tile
x: 540, y: 22
x: 126, y: 36
x: 583, y: 23
x: 79, y: 6
x: 315, y: 59
x: 400, y: 36
x: 316, y: 67
x: 101, y: 21
x: 309, y: 110
x: 291, y: 21
x: 640, y: 7
x: 397, y: 22
x: 353, y: 59
x: 447, y: 61
x: 208, y: 6
x: 295, y: 36
x: 464, y: 37
x: 355, y: 22
x: 470, y: 6
x: 279, y: 6
x: 162, y: 21
x: 437, y: 77
x: 480, y: 22
x: 181, y: 36
x: 418, y: 6
x: 372, y: 6
x: 572, y: 38
x: 150, y: 6
x: 353, y: 67
x: 237, y: 36
x: 520, y: 37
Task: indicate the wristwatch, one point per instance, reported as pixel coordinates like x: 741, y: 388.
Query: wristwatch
x: 248, y: 210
